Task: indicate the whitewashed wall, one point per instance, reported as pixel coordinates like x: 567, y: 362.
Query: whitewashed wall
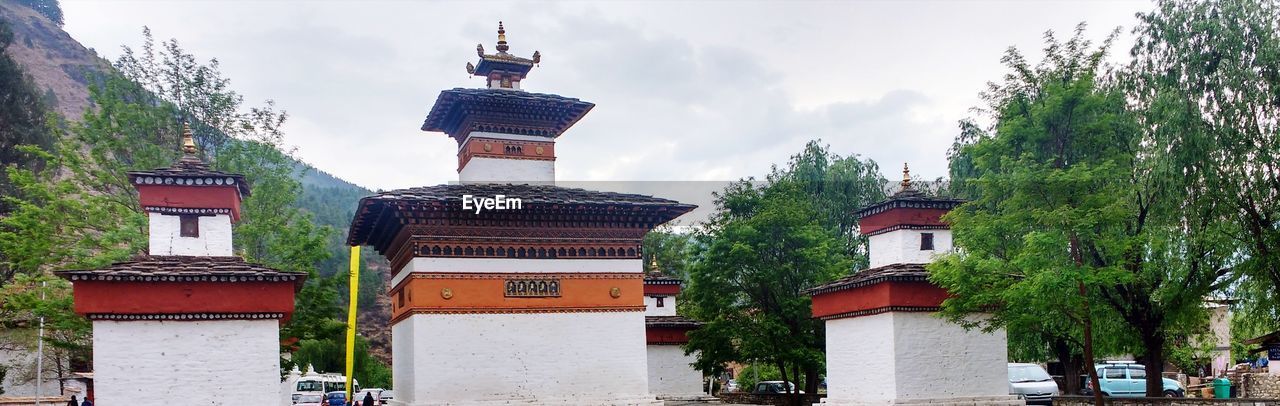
x: 501, y: 170
x: 960, y: 363
x: 668, y: 306
x: 583, y: 359
x: 166, y: 237
x: 902, y: 357
x: 670, y: 373
x: 860, y: 359
x: 903, y: 247
x: 166, y: 363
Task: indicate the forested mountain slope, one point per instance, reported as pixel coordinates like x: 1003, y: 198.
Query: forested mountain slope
x: 63, y: 70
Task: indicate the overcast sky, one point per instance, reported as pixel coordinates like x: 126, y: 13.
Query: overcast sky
x: 683, y: 90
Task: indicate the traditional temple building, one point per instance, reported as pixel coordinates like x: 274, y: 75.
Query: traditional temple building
x: 670, y: 374
x: 885, y: 343
x: 506, y: 288
x: 189, y: 322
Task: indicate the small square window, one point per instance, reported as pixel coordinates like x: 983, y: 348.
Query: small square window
x: 189, y: 225
x: 659, y: 300
x: 926, y: 241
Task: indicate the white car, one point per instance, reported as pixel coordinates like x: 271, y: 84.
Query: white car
x: 308, y: 400
x: 380, y: 396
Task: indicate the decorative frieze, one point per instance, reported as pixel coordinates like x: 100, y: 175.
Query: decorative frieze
x: 186, y: 210
x: 185, y: 316
x: 532, y: 287
x: 184, y: 278
x: 184, y: 181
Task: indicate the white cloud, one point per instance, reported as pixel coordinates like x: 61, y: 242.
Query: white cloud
x: 684, y: 90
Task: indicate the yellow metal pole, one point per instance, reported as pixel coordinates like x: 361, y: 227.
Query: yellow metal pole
x: 351, y: 321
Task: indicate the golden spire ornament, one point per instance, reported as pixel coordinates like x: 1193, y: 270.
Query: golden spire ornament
x: 188, y: 140
x: 906, y: 177
x: 502, y: 39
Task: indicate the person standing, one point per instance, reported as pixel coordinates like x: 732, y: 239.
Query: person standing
x: 368, y: 399
x: 73, y: 401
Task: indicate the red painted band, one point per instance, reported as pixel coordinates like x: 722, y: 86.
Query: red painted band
x: 901, y: 216
x: 199, y: 197
x: 102, y: 297
x: 880, y: 295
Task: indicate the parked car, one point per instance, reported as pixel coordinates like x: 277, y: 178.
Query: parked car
x: 308, y: 400
x: 336, y: 398
x: 358, y: 397
x: 1030, y: 382
x: 1128, y: 380
x: 768, y: 387
x: 731, y: 386
x: 386, y: 396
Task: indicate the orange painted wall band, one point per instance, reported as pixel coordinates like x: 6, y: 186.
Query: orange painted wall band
x: 487, y: 293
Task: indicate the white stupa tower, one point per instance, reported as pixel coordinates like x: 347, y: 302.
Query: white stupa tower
x: 671, y: 375
x: 538, y: 300
x: 885, y: 343
x: 189, y: 323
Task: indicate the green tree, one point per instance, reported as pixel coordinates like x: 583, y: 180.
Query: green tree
x: 669, y: 250
x: 79, y: 210
x: 23, y: 118
x: 838, y: 187
x: 763, y: 250
x: 1206, y: 76
x: 48, y: 8
x: 1079, y: 218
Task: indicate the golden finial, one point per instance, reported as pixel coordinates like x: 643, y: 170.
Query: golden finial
x: 502, y: 39
x: 906, y: 177
x: 653, y: 263
x: 188, y: 141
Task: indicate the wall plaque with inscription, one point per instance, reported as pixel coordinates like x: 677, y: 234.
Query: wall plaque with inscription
x: 534, y: 287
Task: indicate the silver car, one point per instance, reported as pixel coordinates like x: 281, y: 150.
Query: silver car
x: 1031, y: 383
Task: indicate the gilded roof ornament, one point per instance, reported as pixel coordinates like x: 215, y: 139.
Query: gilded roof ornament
x: 502, y: 69
x: 188, y: 141
x: 906, y: 177
x: 502, y: 39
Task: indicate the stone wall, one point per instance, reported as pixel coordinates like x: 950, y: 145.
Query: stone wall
x: 1265, y: 386
x: 1088, y: 401
x: 765, y: 399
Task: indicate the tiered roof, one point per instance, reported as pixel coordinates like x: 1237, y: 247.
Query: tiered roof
x: 502, y: 61
x: 671, y: 321
x: 887, y: 273
x: 503, y: 107
x: 189, y: 171
x: 382, y: 215
x: 146, y: 268
x: 909, y: 197
x: 459, y: 111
